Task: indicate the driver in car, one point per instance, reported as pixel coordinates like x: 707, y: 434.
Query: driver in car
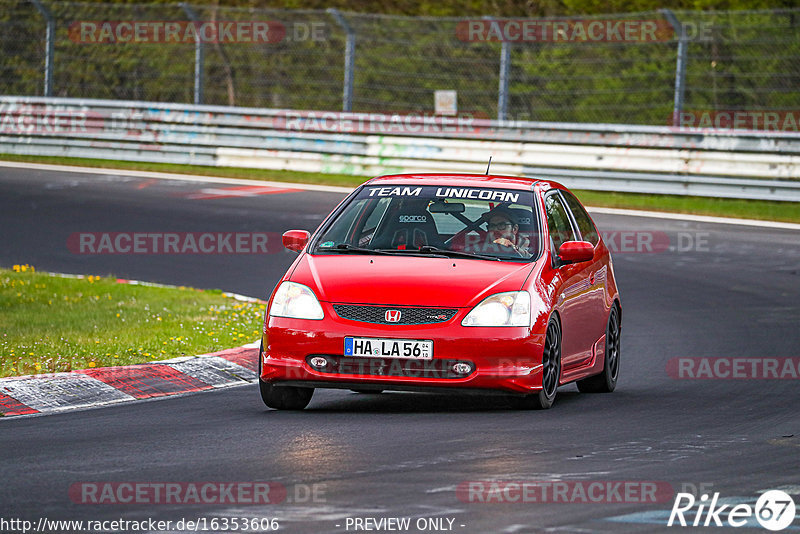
x: 504, y: 231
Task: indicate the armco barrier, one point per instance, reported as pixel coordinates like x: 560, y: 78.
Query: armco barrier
x: 608, y: 157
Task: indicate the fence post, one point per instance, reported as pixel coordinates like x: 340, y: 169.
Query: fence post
x: 50, y: 46
x: 680, y: 66
x: 502, y: 92
x: 505, y: 63
x: 199, y: 55
x: 349, y: 59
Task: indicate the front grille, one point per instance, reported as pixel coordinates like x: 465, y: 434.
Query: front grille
x: 348, y: 365
x: 377, y: 314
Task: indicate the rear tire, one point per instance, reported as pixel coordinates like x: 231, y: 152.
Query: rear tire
x: 282, y: 397
x: 606, y: 381
x: 551, y: 372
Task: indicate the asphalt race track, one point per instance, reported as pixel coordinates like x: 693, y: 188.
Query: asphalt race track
x: 732, y: 293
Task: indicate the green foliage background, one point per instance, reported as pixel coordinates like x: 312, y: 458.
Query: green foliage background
x: 748, y: 59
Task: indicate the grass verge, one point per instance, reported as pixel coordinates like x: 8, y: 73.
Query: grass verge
x: 54, y: 324
x: 720, y: 207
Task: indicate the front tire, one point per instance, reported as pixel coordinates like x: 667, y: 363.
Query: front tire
x: 606, y: 381
x: 551, y: 372
x: 282, y: 397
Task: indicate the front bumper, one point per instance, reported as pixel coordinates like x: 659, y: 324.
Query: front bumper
x: 503, y: 359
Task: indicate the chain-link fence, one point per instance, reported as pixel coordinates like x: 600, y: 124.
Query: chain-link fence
x: 631, y: 68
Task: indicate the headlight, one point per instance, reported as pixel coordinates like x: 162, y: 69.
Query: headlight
x: 296, y: 301
x: 503, y: 309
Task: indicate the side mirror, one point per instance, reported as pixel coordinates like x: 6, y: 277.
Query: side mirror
x: 576, y: 251
x: 296, y: 239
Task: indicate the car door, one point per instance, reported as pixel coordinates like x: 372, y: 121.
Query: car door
x: 572, y: 299
x: 596, y: 312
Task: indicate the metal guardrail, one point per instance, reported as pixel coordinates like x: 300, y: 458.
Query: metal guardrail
x: 607, y: 157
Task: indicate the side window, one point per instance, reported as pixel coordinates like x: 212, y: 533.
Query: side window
x: 585, y: 224
x: 558, y: 224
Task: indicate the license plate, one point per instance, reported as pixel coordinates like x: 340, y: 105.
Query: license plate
x: 388, y: 348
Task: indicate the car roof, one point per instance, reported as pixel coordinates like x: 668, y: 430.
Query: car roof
x: 466, y: 180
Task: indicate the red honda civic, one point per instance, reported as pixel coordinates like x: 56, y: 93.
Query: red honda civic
x: 446, y: 283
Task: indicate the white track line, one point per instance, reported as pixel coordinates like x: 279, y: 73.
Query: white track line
x: 696, y: 218
x: 337, y: 189
x: 173, y: 176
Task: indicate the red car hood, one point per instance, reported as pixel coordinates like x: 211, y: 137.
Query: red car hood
x: 409, y: 281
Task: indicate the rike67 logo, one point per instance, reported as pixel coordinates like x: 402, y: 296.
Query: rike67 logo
x: 774, y: 510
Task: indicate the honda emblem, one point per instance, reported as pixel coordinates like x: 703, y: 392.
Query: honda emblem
x: 392, y: 316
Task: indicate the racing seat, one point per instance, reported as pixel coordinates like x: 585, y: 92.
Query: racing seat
x: 409, y: 228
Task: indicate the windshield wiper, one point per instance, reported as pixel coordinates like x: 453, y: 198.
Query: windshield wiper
x: 411, y: 252
x: 345, y: 247
x: 457, y: 253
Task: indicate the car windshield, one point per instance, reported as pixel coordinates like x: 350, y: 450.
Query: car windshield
x: 453, y: 221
